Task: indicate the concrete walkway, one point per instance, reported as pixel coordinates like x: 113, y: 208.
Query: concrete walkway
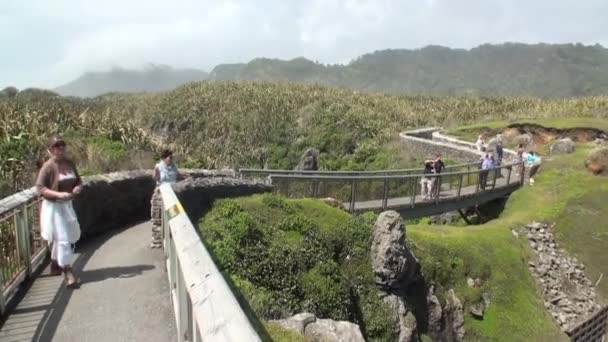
x: 124, y: 296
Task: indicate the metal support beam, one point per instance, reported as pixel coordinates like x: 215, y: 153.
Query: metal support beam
x: 464, y: 217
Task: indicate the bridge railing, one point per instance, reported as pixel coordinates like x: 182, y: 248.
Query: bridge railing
x: 360, y: 192
x: 205, y: 306
x: 246, y: 173
x: 22, y: 251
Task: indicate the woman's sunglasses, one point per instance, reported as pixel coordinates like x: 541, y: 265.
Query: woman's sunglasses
x: 59, y: 144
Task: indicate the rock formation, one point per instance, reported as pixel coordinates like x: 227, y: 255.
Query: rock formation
x: 524, y: 139
x: 309, y: 160
x: 394, y: 266
x: 403, y: 288
x: 321, y: 330
x: 327, y: 330
x: 569, y: 295
x: 597, y: 162
x: 562, y: 146
x: 297, y: 322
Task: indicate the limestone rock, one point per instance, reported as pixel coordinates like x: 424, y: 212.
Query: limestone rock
x: 524, y: 139
x: 491, y: 147
x: 297, y: 322
x: 406, y: 325
x: 114, y: 200
x: 435, y: 314
x: 393, y: 264
x: 562, y: 146
x: 453, y: 318
x: 569, y: 295
x: 597, y: 162
x: 327, y: 330
x: 309, y: 160
x: 445, y: 218
x: 477, y: 310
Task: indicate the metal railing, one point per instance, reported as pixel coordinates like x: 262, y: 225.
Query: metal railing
x: 363, y: 192
x: 268, y: 172
x: 22, y: 251
x: 591, y: 329
x: 205, y: 307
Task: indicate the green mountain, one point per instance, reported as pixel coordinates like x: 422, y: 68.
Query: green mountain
x: 154, y: 78
x: 510, y: 69
x: 507, y: 69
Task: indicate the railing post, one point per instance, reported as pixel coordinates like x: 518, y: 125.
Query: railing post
x: 459, y: 185
x: 414, y: 188
x: 385, y: 194
x: 523, y: 173
x: 315, y: 188
x: 469, y: 174
x: 2, y: 303
x: 509, y: 169
x: 353, y: 195
x: 438, y: 189
x: 495, y: 176
x: 23, y: 236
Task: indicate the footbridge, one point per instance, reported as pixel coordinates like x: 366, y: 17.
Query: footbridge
x: 129, y: 292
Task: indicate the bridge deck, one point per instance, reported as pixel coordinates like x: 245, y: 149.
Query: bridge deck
x: 123, y: 296
x: 404, y: 203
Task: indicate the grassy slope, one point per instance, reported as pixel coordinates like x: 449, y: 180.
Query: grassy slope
x: 471, y: 132
x: 564, y: 193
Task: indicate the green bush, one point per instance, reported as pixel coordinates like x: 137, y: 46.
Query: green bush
x: 326, y: 292
x: 288, y: 256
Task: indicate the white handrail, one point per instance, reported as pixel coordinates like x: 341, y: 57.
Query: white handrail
x: 205, y: 307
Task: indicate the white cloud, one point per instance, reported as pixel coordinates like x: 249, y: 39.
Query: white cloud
x: 46, y: 43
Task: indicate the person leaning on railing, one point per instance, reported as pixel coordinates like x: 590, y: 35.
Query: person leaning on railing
x: 165, y: 171
x: 58, y: 183
x: 427, y: 182
x: 438, y: 167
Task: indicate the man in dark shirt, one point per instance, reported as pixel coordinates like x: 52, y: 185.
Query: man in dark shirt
x: 499, y: 153
x: 438, y: 167
x: 438, y: 164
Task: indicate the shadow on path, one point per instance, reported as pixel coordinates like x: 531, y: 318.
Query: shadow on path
x: 43, y: 303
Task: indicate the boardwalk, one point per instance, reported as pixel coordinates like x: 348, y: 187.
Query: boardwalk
x: 123, y: 296
x: 417, y: 206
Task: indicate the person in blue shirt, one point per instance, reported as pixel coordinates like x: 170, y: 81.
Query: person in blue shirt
x: 486, y: 165
x: 165, y: 171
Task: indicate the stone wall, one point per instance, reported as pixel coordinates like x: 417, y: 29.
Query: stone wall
x: 438, y: 137
x: 113, y: 200
x: 197, y: 194
x: 421, y: 146
x: 426, y: 142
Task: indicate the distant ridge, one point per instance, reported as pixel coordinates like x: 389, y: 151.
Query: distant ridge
x: 154, y: 78
x: 510, y: 69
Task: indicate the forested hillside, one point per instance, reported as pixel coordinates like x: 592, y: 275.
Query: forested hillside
x: 489, y: 70
x: 509, y: 69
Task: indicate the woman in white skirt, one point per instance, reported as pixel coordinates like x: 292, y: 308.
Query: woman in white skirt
x: 58, y: 183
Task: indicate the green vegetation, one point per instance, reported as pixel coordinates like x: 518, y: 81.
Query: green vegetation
x: 488, y: 70
x: 288, y: 256
x: 249, y: 124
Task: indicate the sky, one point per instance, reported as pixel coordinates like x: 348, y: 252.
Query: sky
x: 46, y: 43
